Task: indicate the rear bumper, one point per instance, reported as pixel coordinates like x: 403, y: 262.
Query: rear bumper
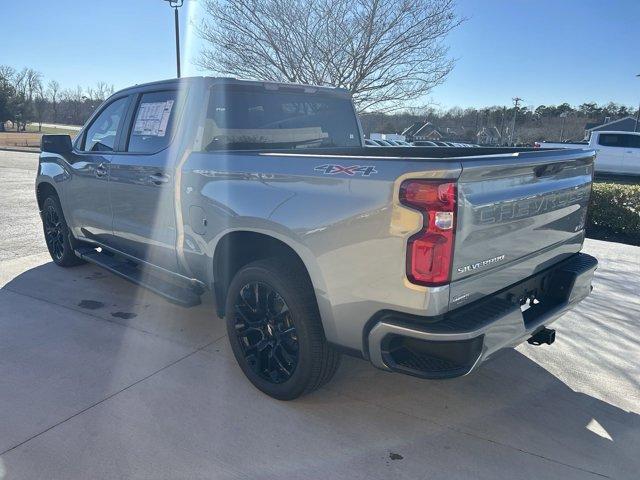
x: 456, y: 343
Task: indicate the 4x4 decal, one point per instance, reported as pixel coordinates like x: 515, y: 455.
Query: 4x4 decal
x: 364, y: 170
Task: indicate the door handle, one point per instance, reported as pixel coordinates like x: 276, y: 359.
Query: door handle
x: 158, y: 178
x: 101, y: 171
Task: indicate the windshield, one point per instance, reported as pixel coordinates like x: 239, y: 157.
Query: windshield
x: 254, y: 118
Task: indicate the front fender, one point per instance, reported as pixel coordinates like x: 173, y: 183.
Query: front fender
x: 52, y: 172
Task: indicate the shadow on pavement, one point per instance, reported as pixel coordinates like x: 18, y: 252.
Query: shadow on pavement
x: 513, y: 413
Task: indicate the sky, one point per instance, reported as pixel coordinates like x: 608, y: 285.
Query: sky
x: 544, y: 51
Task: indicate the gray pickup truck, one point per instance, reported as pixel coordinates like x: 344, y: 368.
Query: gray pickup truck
x: 422, y: 260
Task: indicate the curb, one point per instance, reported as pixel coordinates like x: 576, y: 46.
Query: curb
x: 23, y: 150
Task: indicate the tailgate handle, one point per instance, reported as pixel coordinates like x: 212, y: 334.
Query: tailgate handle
x: 548, y: 170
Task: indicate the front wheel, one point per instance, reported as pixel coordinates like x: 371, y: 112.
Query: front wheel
x: 57, y: 234
x: 275, y: 331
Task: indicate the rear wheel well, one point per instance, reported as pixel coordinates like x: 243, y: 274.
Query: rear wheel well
x: 237, y: 249
x: 44, y: 190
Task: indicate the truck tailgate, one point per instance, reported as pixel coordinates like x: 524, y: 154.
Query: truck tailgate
x: 517, y: 214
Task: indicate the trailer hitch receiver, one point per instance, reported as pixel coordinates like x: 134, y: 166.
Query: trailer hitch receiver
x: 545, y: 335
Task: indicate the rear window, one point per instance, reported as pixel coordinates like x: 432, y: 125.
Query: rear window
x: 154, y: 119
x: 254, y: 118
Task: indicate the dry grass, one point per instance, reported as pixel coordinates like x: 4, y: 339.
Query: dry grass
x: 26, y: 140
x: 29, y: 141
x: 33, y: 128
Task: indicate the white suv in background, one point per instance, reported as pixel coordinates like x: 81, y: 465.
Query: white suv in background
x: 618, y: 152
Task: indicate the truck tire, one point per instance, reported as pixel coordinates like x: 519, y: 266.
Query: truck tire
x: 275, y: 330
x: 57, y: 234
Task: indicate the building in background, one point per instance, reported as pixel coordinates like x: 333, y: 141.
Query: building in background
x: 489, y: 136
x: 411, y: 130
x: 387, y: 136
x: 428, y: 131
x: 626, y: 124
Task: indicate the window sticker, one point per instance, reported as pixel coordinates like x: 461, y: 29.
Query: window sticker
x: 153, y: 118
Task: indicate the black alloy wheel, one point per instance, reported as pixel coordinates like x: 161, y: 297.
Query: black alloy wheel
x: 58, y: 238
x: 53, y: 232
x: 266, y: 333
x: 275, y: 329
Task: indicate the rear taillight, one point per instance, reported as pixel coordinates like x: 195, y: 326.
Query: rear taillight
x: 430, y: 251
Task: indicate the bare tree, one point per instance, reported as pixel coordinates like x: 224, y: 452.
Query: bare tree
x: 7, y: 72
x: 20, y: 81
x: 25, y: 84
x: 53, y: 92
x: 74, y: 98
x: 102, y: 91
x: 40, y: 103
x: 33, y: 80
x: 7, y: 94
x: 21, y: 106
x: 386, y: 52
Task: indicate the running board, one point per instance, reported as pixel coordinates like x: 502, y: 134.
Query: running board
x: 173, y: 292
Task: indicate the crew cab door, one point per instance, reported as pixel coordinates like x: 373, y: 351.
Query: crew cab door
x: 88, y: 208
x: 631, y: 159
x: 142, y: 181
x: 611, y: 148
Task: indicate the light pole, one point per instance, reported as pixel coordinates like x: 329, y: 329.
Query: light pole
x: 516, y: 104
x: 635, y: 128
x: 563, y: 115
x: 176, y: 4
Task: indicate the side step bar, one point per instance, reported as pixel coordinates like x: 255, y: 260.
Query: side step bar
x: 184, y: 295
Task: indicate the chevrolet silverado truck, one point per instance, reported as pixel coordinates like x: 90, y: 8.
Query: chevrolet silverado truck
x: 424, y: 261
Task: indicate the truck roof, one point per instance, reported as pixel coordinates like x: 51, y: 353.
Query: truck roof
x: 617, y: 132
x: 233, y: 81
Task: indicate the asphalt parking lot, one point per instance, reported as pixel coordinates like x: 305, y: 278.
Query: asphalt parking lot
x: 100, y: 379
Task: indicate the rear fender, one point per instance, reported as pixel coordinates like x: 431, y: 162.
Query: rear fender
x: 290, y: 239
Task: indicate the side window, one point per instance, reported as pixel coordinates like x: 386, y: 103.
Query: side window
x: 611, y: 140
x: 633, y: 141
x: 153, y: 124
x: 101, y: 134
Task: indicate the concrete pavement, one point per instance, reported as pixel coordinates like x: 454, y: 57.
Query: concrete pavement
x: 101, y: 379
x: 20, y: 234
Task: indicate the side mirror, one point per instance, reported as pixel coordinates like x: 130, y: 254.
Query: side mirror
x: 60, y: 144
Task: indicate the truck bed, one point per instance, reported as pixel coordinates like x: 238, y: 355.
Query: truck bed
x: 408, y: 152
x: 518, y: 209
